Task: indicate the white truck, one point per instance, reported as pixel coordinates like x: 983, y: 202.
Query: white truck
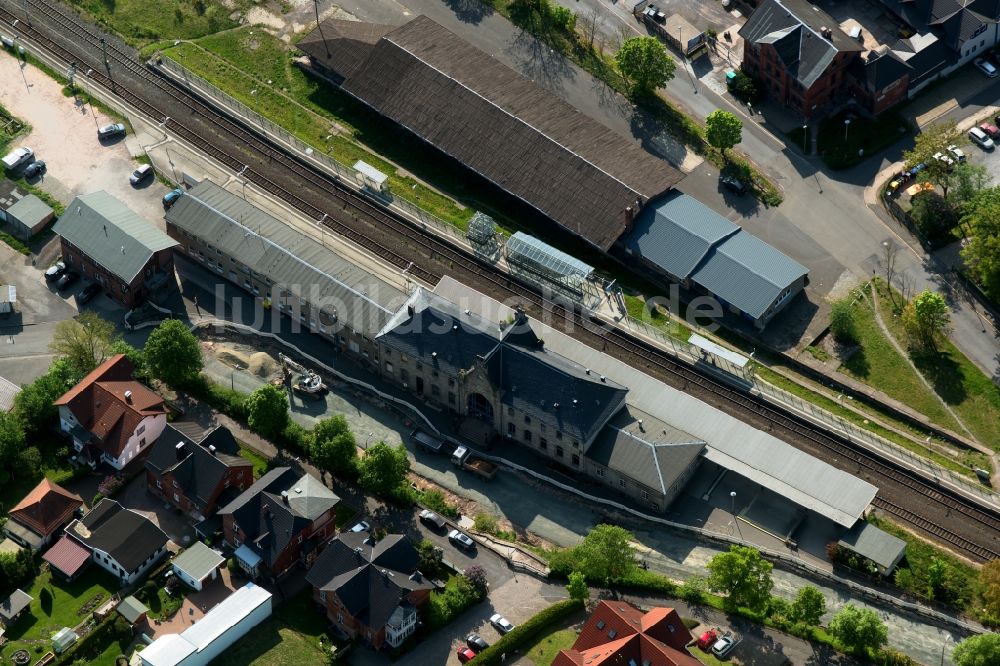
x: 17, y: 157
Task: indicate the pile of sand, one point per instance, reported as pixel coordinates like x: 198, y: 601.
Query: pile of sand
x: 262, y: 364
x: 233, y: 358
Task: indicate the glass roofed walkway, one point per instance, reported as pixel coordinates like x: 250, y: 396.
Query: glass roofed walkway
x: 553, y: 270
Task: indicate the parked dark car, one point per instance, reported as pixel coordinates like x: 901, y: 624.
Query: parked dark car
x: 55, y: 271
x: 110, y: 131
x: 35, y: 169
x: 66, y: 280
x: 87, y: 293
x: 476, y: 642
x: 734, y: 185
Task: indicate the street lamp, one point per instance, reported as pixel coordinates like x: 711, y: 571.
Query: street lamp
x: 944, y: 646
x: 847, y: 126
x: 732, y: 497
x: 805, y: 138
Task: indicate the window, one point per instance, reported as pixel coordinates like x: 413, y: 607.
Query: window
x: 559, y: 451
x: 576, y: 444
x: 541, y: 427
x: 300, y: 538
x: 510, y: 411
x: 576, y: 460
x: 612, y: 633
x: 141, y: 429
x: 451, y: 397
x: 510, y: 429
x: 159, y: 484
x: 174, y: 483
x: 600, y: 624
x: 600, y: 472
x: 420, y: 366
x: 527, y: 436
x: 543, y: 443
x: 435, y: 390
x: 451, y: 381
x: 388, y: 367
x: 621, y: 483
x: 558, y: 434
x: 645, y: 495
x: 404, y: 376
x: 527, y: 420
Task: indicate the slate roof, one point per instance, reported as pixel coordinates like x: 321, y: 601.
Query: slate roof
x: 198, y: 561
x: 46, y: 508
x: 880, y: 69
x: 286, y: 256
x: 268, y: 522
x: 746, y: 272
x: 195, y: 468
x: 532, y: 144
x: 677, y: 233
x: 14, y: 604
x: 541, y: 383
x: 655, y: 454
x: 793, y: 28
x: 342, y: 46
x: 618, y: 633
x: 129, y: 537
x: 877, y: 545
x: 925, y: 54
x: 111, y: 234
x: 370, y: 579
x: 98, y: 402
x: 954, y: 21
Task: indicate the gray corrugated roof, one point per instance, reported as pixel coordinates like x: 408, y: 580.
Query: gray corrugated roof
x: 677, y: 232
x: 655, y: 454
x: 8, y: 391
x: 111, y: 234
x: 878, y: 546
x: 30, y: 210
x: 198, y: 561
x: 770, y: 462
x: 131, y: 608
x: 746, y: 272
x: 289, y: 258
x: 14, y: 604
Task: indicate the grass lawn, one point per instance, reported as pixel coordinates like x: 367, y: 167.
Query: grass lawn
x: 636, y: 308
x: 289, y: 637
x: 259, y: 461
x: 706, y: 657
x: 251, y: 60
x: 869, y: 135
x: 962, y: 385
x: 57, y: 605
x: 344, y: 514
x: 143, y: 21
x: 544, y: 652
x: 163, y: 606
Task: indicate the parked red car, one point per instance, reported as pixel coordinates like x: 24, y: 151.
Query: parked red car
x: 707, y: 640
x: 465, y: 654
x: 991, y: 130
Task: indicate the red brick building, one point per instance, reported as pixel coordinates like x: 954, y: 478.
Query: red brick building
x: 619, y: 633
x: 283, y: 519
x: 798, y: 54
x: 106, y: 242
x: 879, y: 80
x: 199, y: 473
x: 371, y: 590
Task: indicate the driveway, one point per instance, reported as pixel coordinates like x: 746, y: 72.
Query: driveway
x: 195, y: 605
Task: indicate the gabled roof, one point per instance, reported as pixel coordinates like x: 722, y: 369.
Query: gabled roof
x: 99, y: 402
x: 8, y: 392
x: 880, y: 69
x: 617, y: 633
x: 195, y: 467
x: 342, y: 46
x: 654, y: 453
x: 131, y: 609
x: 794, y: 28
x: 530, y: 143
x: 111, y: 234
x: 198, y: 561
x: 268, y: 520
x: 879, y: 546
x: 129, y: 537
x: 14, y: 604
x: 746, y: 272
x: 371, y: 579
x: 46, y: 508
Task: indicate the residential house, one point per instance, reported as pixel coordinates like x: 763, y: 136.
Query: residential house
x: 284, y: 518
x: 209, y: 637
x: 879, y: 80
x: 197, y: 474
x: 619, y: 633
x: 529, y: 143
x: 111, y: 417
x: 121, y: 541
x: 197, y: 565
x: 798, y: 54
x: 41, y: 514
x: 24, y: 213
x: 371, y: 590
x: 108, y: 243
x: 685, y: 241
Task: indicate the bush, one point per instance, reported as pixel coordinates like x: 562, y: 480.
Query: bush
x: 485, y: 522
x: 435, y: 501
x: 527, y: 631
x: 294, y: 438
x: 447, y: 604
x: 744, y: 87
x: 843, y: 323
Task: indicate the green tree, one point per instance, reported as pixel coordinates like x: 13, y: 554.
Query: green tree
x: 843, y: 320
x: 645, y: 63
x: 932, y: 140
x: 431, y: 558
x: 926, y: 317
x: 743, y: 576
x: 11, y: 442
x: 606, y: 553
x: 173, y: 354
x: 136, y: 356
x: 937, y: 574
x: 979, y: 650
x: 333, y: 446
x: 382, y: 470
x: 693, y: 589
x: 809, y: 605
x: 859, y: 629
x: 577, y: 586
x: 267, y: 411
x: 989, y: 580
x: 934, y: 215
x: 723, y: 130
x: 981, y: 223
x: 34, y: 404
x: 85, y: 342
x: 970, y: 179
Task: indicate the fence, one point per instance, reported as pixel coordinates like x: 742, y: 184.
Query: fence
x: 305, y: 151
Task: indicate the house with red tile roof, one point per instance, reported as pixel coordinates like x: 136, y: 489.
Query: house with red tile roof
x: 111, y: 417
x: 619, y: 633
x: 41, y: 514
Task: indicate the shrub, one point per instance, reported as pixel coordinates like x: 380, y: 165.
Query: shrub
x: 476, y: 575
x: 485, y: 522
x: 843, y: 326
x: 445, y: 605
x: 435, y: 501
x: 693, y: 589
x: 110, y: 485
x: 527, y: 631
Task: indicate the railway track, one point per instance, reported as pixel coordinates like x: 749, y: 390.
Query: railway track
x: 330, y: 202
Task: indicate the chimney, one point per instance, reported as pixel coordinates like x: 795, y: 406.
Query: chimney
x: 179, y: 448
x: 284, y: 496
x: 640, y: 426
x: 128, y: 397
x: 123, y: 249
x: 409, y: 310
x: 211, y: 449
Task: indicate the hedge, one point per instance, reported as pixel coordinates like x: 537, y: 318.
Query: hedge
x: 528, y: 631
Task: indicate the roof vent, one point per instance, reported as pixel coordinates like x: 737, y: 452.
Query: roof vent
x: 587, y: 370
x: 454, y: 327
x: 211, y: 449
x: 179, y: 448
x: 284, y: 496
x: 640, y: 426
x: 128, y: 397
x: 409, y: 310
x: 298, y: 491
x: 357, y: 549
x: 434, y: 354
x: 415, y: 576
x: 123, y: 249
x: 555, y: 405
x: 468, y: 312
x: 574, y: 402
x: 604, y: 379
